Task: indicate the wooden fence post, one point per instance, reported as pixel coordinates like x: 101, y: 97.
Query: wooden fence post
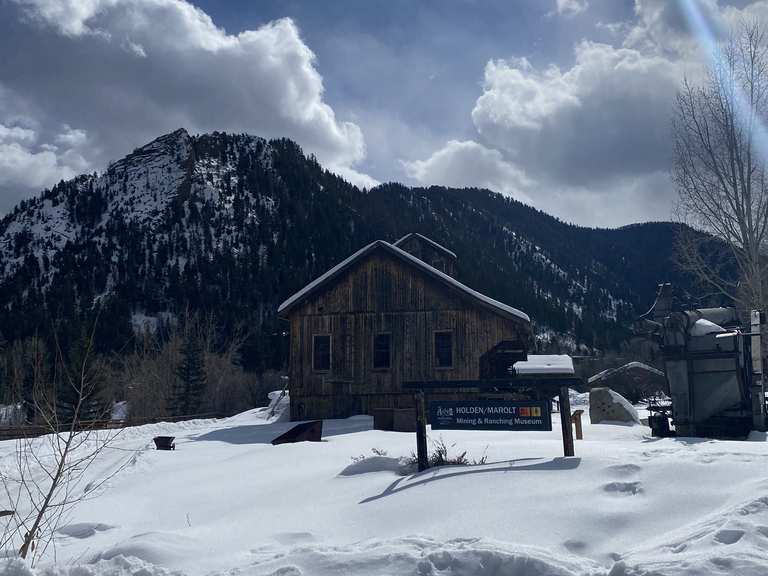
x: 565, y: 421
x: 421, y: 432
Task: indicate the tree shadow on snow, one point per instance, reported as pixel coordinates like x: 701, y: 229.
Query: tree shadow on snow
x: 686, y: 440
x: 445, y: 472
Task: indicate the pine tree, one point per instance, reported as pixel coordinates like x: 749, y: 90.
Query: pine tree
x: 190, y: 376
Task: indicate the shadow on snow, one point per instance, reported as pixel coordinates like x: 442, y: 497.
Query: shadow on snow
x: 445, y: 472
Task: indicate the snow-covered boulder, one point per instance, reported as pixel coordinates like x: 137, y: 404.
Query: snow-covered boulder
x: 605, y: 405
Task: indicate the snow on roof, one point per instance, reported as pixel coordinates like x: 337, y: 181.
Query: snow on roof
x: 485, y: 301
x: 545, y: 364
x: 703, y: 327
x: 611, y: 371
x: 428, y: 241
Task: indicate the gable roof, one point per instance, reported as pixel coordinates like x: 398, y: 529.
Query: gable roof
x: 429, y: 241
x: 630, y: 366
x: 482, y: 300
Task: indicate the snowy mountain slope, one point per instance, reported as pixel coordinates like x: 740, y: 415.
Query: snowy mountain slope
x: 227, y: 502
x: 233, y: 224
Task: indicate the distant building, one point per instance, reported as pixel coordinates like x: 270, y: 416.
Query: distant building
x: 635, y: 380
x: 388, y: 314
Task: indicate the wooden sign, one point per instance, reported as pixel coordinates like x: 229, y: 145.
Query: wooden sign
x: 490, y: 415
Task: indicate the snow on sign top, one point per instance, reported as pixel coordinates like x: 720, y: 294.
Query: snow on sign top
x: 560, y: 364
x: 340, y: 268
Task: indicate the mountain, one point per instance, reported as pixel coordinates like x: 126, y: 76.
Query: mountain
x: 230, y: 225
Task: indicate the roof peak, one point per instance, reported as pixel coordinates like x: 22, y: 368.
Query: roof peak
x: 481, y: 299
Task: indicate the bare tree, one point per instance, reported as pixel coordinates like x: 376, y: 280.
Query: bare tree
x: 721, y: 150
x: 44, y: 482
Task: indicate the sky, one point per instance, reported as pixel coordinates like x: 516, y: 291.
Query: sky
x: 563, y: 104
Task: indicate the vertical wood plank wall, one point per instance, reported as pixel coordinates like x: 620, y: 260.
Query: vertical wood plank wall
x: 383, y: 294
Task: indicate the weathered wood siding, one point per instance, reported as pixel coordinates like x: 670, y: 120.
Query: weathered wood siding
x: 384, y: 294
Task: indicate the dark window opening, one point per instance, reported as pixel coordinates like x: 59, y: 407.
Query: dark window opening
x: 382, y: 351
x: 321, y: 353
x: 444, y: 349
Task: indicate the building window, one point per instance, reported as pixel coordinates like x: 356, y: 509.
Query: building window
x: 444, y: 349
x: 321, y: 352
x: 382, y: 351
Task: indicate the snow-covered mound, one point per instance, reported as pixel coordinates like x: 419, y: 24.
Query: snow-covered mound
x: 228, y: 502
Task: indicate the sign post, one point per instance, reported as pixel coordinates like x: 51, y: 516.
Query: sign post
x: 422, y: 455
x: 565, y: 421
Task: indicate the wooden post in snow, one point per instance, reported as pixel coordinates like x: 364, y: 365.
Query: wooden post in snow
x: 565, y: 421
x: 421, y: 432
x: 576, y: 419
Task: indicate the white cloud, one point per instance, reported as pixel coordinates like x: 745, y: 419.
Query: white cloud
x: 571, y: 7
x: 608, y: 114
x: 467, y: 163
x: 516, y: 96
x: 16, y: 134
x: 589, y: 143
x: 158, y: 65
x: 24, y: 163
x: 71, y: 137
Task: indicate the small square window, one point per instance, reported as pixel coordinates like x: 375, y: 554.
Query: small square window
x: 444, y: 349
x: 321, y: 352
x: 382, y: 351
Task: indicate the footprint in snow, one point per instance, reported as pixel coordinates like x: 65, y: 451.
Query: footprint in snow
x: 575, y: 546
x: 287, y: 538
x: 83, y: 530
x: 623, y: 488
x: 623, y: 470
x: 728, y: 536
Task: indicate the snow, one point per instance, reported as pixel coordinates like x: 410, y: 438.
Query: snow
x: 628, y: 366
x: 228, y: 502
x: 120, y: 410
x: 703, y: 327
x: 545, y: 364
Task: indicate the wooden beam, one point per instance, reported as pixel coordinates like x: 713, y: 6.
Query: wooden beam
x: 505, y: 384
x: 565, y: 422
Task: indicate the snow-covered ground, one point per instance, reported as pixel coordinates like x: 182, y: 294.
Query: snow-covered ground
x: 228, y: 502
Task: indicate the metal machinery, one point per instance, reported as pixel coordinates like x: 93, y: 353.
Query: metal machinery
x: 713, y: 367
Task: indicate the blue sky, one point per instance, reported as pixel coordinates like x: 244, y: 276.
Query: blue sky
x: 564, y: 104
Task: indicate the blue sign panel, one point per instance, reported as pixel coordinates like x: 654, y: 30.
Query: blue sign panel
x: 489, y: 415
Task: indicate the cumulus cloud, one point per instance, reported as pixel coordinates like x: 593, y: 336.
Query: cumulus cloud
x: 590, y: 142
x: 570, y: 7
x: 26, y: 163
x: 609, y: 113
x: 467, y: 163
x: 156, y: 65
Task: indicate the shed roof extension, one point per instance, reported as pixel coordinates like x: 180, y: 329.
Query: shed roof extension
x: 466, y: 291
x: 429, y: 241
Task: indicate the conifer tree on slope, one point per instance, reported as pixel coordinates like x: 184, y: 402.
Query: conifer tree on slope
x: 190, y: 375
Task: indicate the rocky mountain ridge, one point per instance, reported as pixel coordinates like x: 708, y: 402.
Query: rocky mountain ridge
x: 233, y: 224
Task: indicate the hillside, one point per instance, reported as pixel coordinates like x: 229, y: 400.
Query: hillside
x: 233, y: 224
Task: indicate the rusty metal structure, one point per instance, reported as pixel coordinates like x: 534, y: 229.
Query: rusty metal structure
x: 713, y: 365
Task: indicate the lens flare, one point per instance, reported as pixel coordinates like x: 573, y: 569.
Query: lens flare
x: 707, y: 35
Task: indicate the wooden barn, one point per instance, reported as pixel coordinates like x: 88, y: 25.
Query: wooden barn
x: 389, y: 314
